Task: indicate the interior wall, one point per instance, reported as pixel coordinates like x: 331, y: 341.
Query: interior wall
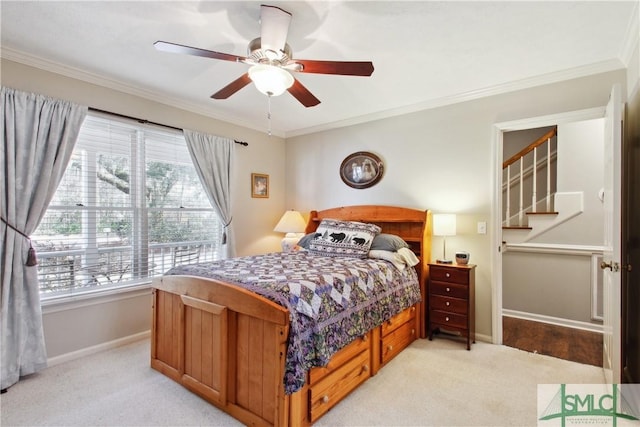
x: 580, y: 169
x: 548, y: 284
x: 559, y: 284
x: 79, y: 324
x: 439, y: 159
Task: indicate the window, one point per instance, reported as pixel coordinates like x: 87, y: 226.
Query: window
x: 129, y: 207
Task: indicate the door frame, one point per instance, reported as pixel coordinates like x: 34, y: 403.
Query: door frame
x: 496, y: 208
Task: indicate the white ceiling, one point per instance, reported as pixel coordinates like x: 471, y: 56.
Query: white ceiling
x: 425, y: 53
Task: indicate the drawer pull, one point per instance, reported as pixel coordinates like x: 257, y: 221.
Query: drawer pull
x: 448, y: 289
x: 325, y: 399
x: 448, y: 275
x: 413, y: 332
x: 390, y: 347
x: 365, y: 368
x: 447, y: 303
x: 365, y: 338
x: 446, y: 318
x: 413, y: 309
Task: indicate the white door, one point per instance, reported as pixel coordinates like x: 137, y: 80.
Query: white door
x: 612, y: 306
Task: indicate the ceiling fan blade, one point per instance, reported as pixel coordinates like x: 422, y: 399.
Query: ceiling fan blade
x: 188, y: 50
x: 302, y: 94
x: 232, y: 87
x: 345, y: 68
x: 274, y: 27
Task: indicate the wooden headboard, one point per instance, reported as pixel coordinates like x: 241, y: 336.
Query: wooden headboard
x: 413, y: 225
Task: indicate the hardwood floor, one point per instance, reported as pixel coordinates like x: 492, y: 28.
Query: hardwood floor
x: 558, y: 341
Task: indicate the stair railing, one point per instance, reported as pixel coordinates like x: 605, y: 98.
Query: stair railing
x: 522, y: 174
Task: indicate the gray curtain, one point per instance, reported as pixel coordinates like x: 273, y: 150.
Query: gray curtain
x: 212, y: 157
x: 38, y: 136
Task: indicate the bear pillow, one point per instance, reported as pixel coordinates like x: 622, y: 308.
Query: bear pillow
x: 343, y: 238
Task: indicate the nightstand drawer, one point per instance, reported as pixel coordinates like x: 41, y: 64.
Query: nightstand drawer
x: 447, y: 274
x: 445, y: 303
x: 448, y: 289
x: 451, y: 319
x: 451, y: 300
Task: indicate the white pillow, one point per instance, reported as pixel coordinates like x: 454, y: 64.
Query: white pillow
x: 392, y: 257
x: 401, y: 258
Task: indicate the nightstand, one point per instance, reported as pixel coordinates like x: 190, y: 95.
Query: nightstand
x: 451, y: 300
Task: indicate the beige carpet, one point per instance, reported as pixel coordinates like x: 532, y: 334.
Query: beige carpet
x: 432, y: 383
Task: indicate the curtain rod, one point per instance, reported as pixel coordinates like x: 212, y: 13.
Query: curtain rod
x: 143, y: 121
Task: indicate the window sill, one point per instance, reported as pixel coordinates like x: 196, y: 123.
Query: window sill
x: 92, y: 297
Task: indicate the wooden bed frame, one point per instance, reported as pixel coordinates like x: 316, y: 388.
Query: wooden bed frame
x: 228, y: 345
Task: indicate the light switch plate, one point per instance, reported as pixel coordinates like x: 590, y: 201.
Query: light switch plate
x: 482, y: 227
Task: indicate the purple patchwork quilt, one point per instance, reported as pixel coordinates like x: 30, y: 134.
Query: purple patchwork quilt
x: 331, y: 300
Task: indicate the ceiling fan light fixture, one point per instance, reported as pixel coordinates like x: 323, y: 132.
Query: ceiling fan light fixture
x: 270, y: 80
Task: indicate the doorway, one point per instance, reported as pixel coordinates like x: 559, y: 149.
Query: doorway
x: 552, y: 240
x: 497, y: 237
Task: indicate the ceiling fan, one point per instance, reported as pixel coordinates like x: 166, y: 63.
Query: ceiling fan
x: 271, y: 61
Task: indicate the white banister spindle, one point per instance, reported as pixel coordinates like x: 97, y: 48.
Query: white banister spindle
x: 548, y: 174
x: 534, y: 192
x: 520, y: 207
x: 508, y: 210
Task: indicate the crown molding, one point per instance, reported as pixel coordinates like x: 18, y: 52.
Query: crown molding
x: 93, y: 78
x: 632, y: 37
x: 573, y: 73
x: 100, y: 80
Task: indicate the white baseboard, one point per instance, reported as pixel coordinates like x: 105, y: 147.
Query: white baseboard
x: 567, y: 323
x: 97, y: 348
x: 484, y: 338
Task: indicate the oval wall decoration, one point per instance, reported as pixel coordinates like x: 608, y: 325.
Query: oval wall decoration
x: 361, y: 170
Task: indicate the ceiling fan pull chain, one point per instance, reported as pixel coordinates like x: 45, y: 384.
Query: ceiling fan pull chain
x: 269, y: 113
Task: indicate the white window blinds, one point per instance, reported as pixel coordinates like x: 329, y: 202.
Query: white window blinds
x: 129, y: 207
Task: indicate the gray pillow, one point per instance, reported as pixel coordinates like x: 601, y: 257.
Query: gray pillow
x: 388, y: 242
x: 305, y: 241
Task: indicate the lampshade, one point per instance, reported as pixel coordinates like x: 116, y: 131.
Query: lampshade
x: 291, y: 222
x: 270, y: 80
x: 444, y: 224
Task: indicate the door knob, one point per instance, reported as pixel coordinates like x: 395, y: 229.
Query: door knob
x: 613, y: 266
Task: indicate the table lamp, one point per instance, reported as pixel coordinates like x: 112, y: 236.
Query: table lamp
x: 444, y: 225
x: 293, y: 224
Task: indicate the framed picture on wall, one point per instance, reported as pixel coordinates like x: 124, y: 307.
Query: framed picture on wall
x: 259, y: 185
x: 361, y: 170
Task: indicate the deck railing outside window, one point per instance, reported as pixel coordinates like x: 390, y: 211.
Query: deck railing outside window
x: 129, y: 201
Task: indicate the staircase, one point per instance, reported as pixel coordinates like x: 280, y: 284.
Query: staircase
x: 529, y: 176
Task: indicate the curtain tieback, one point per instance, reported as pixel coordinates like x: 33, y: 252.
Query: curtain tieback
x: 32, y: 259
x: 224, y: 231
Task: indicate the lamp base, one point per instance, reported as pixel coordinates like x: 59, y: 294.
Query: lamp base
x: 444, y: 261
x: 290, y: 241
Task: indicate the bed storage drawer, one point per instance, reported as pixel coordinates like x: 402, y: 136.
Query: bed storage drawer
x: 337, y: 360
x: 398, y: 320
x: 398, y: 340
x: 336, y: 385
